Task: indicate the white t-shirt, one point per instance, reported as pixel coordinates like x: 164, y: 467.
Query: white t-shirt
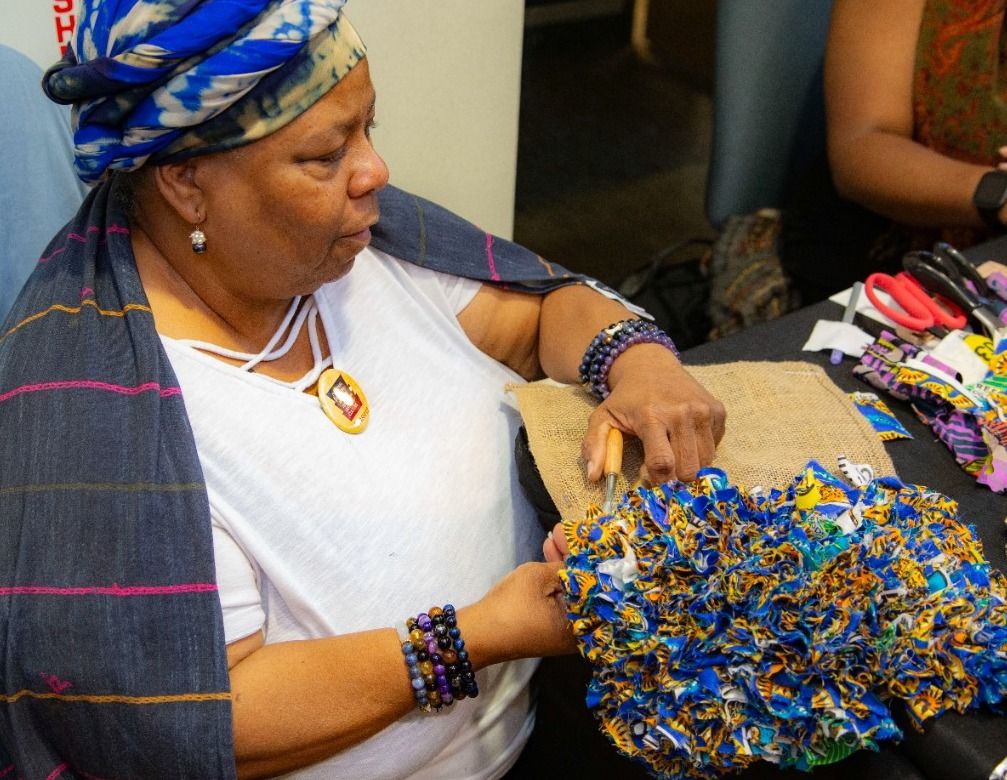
x: 318, y: 533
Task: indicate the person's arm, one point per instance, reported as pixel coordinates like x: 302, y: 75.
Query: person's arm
x: 652, y: 395
x: 298, y: 703
x: 869, y: 67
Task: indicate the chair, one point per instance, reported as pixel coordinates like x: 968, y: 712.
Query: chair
x: 768, y: 106
x: 38, y: 189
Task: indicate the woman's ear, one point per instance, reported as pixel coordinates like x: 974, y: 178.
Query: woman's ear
x: 177, y: 184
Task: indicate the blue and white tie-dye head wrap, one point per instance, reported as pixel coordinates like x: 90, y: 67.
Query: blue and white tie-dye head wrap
x: 163, y: 80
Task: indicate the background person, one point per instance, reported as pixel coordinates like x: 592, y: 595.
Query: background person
x: 916, y: 120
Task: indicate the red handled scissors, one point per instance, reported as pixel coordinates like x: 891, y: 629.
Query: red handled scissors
x: 919, y: 311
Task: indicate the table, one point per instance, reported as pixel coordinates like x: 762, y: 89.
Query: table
x: 953, y: 747
x: 923, y: 460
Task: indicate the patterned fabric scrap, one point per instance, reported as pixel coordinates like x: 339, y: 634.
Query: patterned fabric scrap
x: 971, y: 420
x: 880, y: 416
x: 727, y: 627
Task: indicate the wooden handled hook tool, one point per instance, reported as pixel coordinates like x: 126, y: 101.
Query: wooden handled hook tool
x: 613, y: 465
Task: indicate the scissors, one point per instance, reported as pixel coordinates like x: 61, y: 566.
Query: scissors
x: 948, y: 274
x: 917, y: 310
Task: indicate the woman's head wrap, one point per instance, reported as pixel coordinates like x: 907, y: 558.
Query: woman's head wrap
x: 169, y: 79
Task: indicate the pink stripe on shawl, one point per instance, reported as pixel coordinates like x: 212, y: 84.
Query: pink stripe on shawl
x: 50, y: 257
x: 88, y: 384
x: 119, y: 229
x: 113, y: 590
x: 58, y: 771
x: 489, y: 258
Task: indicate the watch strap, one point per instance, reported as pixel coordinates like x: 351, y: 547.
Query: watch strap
x: 991, y: 217
x: 989, y: 197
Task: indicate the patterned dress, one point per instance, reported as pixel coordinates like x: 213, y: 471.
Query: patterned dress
x: 959, y: 103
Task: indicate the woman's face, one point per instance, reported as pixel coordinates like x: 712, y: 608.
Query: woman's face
x: 287, y: 214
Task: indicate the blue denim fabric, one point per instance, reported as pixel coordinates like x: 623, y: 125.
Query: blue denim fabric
x: 39, y: 192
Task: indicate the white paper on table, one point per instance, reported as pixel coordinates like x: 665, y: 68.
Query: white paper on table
x: 955, y: 353
x: 865, y: 307
x: 844, y: 336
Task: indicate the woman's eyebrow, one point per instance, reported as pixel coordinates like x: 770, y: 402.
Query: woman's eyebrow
x: 344, y: 126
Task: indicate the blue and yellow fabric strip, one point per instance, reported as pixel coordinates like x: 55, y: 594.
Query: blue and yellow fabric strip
x: 727, y: 627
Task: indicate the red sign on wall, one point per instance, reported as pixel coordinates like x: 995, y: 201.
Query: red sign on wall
x: 65, y: 20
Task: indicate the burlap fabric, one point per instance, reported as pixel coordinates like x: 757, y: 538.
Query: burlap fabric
x: 779, y: 416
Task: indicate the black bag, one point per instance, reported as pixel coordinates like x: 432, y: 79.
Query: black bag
x: 675, y: 288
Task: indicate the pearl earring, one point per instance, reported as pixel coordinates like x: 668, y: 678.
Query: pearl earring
x: 198, y: 239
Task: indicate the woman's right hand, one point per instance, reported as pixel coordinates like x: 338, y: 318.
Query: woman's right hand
x: 522, y: 616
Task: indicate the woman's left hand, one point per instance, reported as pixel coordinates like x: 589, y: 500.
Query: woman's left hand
x: 654, y: 397
x: 554, y: 548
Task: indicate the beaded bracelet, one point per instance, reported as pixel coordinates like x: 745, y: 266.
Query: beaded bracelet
x: 611, y: 342
x: 438, y: 663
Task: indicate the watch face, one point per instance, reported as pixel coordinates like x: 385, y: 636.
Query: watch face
x: 991, y: 193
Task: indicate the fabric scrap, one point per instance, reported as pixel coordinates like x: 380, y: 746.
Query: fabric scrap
x: 971, y: 419
x: 879, y: 416
x: 780, y: 626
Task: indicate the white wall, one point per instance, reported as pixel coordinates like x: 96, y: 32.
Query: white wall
x: 39, y: 28
x: 448, y: 77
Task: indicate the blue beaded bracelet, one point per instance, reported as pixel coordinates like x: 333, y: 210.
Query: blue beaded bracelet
x: 611, y: 342
x: 416, y: 677
x: 440, y: 672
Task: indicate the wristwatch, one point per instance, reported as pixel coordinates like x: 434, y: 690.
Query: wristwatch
x: 990, y: 196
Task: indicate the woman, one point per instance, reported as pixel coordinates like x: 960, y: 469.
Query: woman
x: 916, y: 125
x: 916, y: 116
x: 237, y: 189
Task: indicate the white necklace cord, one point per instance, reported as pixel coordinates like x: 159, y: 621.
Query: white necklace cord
x: 295, y: 331
x: 234, y: 354
x: 307, y: 313
x: 320, y: 363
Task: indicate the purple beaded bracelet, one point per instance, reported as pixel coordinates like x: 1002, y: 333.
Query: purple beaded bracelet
x: 440, y: 671
x: 611, y: 342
